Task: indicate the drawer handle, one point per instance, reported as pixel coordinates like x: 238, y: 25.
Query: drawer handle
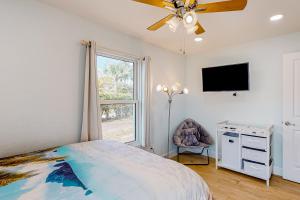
x: 231, y: 141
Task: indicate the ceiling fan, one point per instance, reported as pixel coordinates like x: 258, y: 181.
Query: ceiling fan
x: 187, y: 10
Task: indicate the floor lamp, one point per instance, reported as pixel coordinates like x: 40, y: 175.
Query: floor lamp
x: 171, y: 92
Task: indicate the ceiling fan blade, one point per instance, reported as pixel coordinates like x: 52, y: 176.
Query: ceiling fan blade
x: 223, y: 6
x: 160, y: 23
x: 200, y: 29
x: 157, y: 3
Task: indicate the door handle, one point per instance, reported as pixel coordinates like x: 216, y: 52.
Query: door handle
x: 287, y: 123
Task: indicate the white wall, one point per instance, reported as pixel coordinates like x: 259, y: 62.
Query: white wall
x: 41, y: 76
x: 41, y: 79
x: 261, y: 105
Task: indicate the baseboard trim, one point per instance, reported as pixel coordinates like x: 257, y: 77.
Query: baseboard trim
x: 171, y: 154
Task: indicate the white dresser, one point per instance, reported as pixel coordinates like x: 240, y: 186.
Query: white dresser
x: 245, y: 149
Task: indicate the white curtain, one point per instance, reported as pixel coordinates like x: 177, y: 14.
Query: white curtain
x: 146, y: 99
x: 91, y: 121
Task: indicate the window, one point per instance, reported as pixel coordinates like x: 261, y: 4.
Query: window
x: 118, y: 78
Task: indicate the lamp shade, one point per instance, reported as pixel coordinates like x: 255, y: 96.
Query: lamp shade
x: 185, y: 91
x: 158, y: 88
x: 173, y: 24
x: 190, y: 19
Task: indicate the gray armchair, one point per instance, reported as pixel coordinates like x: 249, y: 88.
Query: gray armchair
x: 190, y: 135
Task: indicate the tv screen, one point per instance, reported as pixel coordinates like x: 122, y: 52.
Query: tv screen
x: 226, y: 78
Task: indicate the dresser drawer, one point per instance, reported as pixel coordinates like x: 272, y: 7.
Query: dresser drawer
x: 254, y: 142
x: 255, y: 155
x: 257, y: 170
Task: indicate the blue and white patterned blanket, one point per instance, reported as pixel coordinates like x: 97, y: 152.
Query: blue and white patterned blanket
x: 103, y: 170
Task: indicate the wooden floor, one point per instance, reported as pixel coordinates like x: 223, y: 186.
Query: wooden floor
x: 229, y: 185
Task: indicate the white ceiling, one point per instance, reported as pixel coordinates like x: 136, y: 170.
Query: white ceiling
x: 222, y: 29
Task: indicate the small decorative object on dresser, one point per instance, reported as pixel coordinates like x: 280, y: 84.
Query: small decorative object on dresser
x: 245, y: 149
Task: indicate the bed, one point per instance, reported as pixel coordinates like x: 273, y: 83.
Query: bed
x: 102, y: 170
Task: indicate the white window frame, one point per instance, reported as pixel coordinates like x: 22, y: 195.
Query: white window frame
x: 137, y: 87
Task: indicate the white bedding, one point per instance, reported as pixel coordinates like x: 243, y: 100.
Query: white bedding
x: 98, y: 170
x: 147, y: 175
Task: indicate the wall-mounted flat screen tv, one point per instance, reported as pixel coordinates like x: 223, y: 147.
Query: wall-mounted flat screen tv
x: 226, y: 78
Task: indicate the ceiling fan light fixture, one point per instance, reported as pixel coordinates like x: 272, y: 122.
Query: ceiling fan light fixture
x: 173, y: 24
x: 172, y: 28
x: 191, y: 30
x: 190, y: 19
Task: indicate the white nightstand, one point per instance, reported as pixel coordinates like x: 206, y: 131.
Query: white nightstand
x: 245, y: 149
